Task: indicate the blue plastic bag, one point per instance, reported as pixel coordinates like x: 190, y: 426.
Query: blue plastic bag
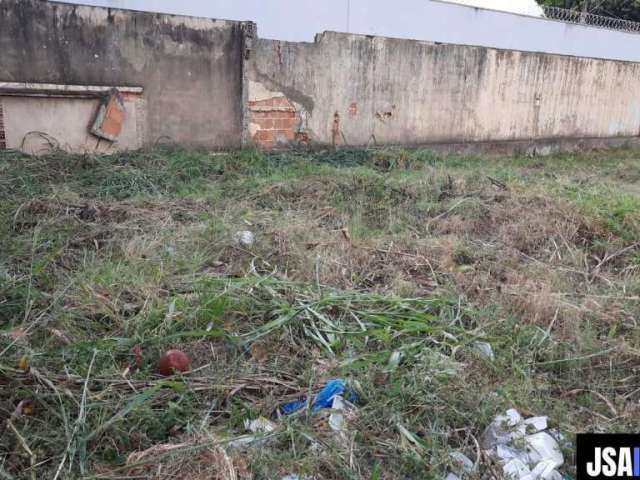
x: 324, y: 399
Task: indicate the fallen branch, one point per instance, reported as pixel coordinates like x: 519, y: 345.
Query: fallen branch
x: 498, y: 183
x: 444, y: 214
x: 25, y: 447
x: 607, y: 258
x: 597, y: 394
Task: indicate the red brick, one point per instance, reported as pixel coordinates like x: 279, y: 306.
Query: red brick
x: 281, y: 102
x: 284, y: 123
x: 257, y: 115
x: 264, y: 136
x: 265, y: 123
x: 289, y: 135
x: 281, y: 114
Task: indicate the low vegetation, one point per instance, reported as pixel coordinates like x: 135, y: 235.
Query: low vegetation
x: 385, y: 268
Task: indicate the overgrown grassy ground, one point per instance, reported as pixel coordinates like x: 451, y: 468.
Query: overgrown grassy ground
x: 382, y: 267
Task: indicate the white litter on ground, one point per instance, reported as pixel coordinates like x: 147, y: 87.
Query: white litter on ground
x: 336, y: 419
x: 463, y: 466
x: 485, y: 350
x: 244, y: 238
x: 524, y: 448
x: 260, y: 425
x: 464, y: 463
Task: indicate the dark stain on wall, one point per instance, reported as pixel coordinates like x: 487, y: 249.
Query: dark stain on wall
x: 3, y: 138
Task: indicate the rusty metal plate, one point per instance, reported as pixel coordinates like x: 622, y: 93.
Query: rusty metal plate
x: 110, y: 117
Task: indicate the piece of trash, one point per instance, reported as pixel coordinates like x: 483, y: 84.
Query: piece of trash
x: 174, y: 361
x: 260, y: 425
x: 503, y: 430
x: 324, y: 399
x: 563, y: 441
x: 512, y: 417
x: 336, y: 419
x: 464, y: 463
x: 545, y: 470
x: 536, y: 424
x: 394, y: 361
x: 243, y: 441
x: 516, y: 468
x: 244, y: 238
x: 507, y: 454
x: 543, y: 447
x: 260, y: 428
x: 485, y: 350
x: 523, y: 447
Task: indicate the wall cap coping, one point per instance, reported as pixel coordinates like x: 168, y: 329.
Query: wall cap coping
x: 55, y: 89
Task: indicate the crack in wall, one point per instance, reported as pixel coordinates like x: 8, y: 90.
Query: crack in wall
x: 3, y: 138
x: 293, y: 94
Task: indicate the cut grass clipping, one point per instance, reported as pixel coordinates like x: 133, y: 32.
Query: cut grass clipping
x: 443, y: 290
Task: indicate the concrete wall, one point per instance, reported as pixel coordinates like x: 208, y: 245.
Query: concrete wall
x: 190, y: 69
x: 432, y: 20
x: 40, y: 123
x: 214, y: 83
x: 359, y: 90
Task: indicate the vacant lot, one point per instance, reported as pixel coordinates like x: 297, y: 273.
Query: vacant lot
x: 384, y: 268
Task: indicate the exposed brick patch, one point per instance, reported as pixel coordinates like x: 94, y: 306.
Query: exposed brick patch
x: 3, y: 138
x: 273, y: 121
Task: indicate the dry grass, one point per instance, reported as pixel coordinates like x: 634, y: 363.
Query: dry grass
x: 194, y: 459
x: 382, y: 267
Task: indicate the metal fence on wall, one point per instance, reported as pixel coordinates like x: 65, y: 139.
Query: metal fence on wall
x: 575, y: 16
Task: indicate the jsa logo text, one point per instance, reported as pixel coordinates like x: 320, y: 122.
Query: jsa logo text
x: 615, y: 462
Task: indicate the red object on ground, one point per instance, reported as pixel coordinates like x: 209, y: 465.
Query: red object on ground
x: 174, y: 361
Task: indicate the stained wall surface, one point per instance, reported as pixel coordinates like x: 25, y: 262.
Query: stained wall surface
x: 190, y: 68
x: 360, y: 90
x: 218, y: 84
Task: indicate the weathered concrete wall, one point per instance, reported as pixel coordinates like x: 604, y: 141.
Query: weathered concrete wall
x: 360, y: 90
x: 190, y: 68
x: 212, y: 83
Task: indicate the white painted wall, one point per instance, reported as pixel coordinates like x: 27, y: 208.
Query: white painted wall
x: 525, y: 7
x: 433, y: 20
